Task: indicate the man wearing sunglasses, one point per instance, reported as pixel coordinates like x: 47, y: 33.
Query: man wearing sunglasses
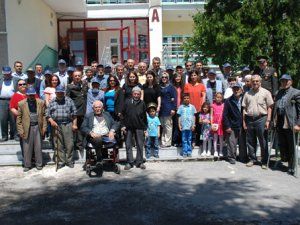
x: 8, y: 86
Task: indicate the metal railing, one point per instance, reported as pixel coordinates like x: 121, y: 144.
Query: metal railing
x: 104, y: 2
x: 183, y: 1
x: 173, y: 53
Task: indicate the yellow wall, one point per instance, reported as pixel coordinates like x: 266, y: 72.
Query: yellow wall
x: 31, y: 25
x: 177, y: 28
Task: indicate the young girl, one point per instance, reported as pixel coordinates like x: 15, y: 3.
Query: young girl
x: 217, y: 125
x: 205, y: 121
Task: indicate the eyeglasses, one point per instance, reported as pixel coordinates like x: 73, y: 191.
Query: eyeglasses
x: 24, y: 84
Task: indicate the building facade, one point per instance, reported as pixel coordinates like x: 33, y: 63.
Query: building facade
x: 35, y: 30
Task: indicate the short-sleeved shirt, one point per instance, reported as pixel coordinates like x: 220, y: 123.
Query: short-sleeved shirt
x: 153, y: 123
x: 196, y: 94
x: 187, y: 116
x: 61, y: 111
x: 257, y: 103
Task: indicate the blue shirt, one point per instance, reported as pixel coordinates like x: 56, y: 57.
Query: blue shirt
x: 102, y: 80
x: 153, y: 123
x: 91, y: 98
x: 109, y: 98
x: 187, y: 116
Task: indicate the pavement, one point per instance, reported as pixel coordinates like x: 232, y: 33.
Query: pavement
x: 179, y: 193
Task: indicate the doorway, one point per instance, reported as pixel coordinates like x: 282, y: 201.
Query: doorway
x: 91, y: 46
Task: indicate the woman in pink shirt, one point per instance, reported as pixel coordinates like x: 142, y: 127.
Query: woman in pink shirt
x: 50, y: 91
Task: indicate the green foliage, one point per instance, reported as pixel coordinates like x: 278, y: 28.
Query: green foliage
x: 238, y: 31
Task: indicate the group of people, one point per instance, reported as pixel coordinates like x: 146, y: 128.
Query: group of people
x: 152, y: 107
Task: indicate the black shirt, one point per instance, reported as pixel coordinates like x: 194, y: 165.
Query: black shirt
x: 151, y: 94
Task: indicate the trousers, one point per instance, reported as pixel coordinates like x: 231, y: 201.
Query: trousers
x: 139, y: 138
x: 33, y: 144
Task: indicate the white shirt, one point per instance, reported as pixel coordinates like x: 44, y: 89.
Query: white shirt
x: 99, y: 126
x: 7, y: 89
x: 63, y: 78
x: 22, y: 76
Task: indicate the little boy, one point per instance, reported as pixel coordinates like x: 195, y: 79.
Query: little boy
x: 186, y: 123
x: 153, y: 131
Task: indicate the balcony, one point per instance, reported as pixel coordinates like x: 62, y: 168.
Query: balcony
x: 167, y: 2
x: 109, y: 2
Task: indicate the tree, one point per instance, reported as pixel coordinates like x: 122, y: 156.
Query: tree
x: 238, y: 31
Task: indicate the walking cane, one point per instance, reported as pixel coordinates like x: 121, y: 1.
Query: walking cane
x: 56, y: 150
x: 272, y: 137
x: 296, y: 144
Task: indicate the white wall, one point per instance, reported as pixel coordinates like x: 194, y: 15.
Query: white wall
x: 30, y: 26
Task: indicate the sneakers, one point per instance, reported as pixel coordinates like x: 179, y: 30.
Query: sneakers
x: 249, y: 164
x: 216, y: 154
x: 221, y: 154
x: 203, y: 154
x: 39, y: 167
x: 128, y: 166
x: 141, y: 166
x: 208, y: 153
x: 264, y: 167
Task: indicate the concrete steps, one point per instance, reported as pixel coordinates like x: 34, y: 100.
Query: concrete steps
x: 10, y: 154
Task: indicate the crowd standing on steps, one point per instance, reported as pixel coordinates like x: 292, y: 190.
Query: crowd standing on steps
x: 152, y: 107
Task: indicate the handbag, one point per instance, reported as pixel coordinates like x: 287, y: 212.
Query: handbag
x: 215, y: 127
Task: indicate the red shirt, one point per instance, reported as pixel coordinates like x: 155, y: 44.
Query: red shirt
x: 196, y: 94
x: 15, y: 99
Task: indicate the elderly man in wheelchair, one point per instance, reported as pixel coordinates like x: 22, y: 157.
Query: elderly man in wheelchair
x: 100, y: 129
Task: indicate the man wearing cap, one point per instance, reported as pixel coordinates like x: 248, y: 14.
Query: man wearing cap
x: 134, y: 123
x: 287, y: 119
x: 18, y: 67
x: 212, y: 86
x: 62, y: 72
x: 141, y: 72
x: 233, y: 122
x: 47, y: 75
x: 39, y: 71
x: 61, y: 114
x: 77, y: 91
x: 268, y: 75
x: 257, y: 110
x: 32, y: 125
x: 101, y: 77
x: 79, y: 65
x: 32, y: 81
x: 170, y: 71
x: 8, y: 86
x: 227, y: 72
x: 70, y: 71
x: 93, y: 95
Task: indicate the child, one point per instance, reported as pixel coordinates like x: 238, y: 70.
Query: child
x: 217, y: 125
x: 153, y: 131
x: 205, y: 121
x: 186, y: 123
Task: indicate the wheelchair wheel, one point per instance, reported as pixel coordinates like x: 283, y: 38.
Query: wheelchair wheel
x: 99, y: 170
x: 117, y: 169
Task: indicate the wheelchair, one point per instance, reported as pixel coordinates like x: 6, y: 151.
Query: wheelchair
x: 110, y: 159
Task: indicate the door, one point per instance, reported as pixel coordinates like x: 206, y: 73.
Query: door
x: 125, y: 43
x: 76, y: 38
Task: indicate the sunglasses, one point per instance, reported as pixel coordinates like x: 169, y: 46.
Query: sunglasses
x: 24, y: 84
x: 164, y: 77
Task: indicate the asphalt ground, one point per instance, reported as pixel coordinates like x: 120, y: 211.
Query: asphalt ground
x: 165, y: 193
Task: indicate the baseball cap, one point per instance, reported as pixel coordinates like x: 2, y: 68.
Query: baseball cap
x: 212, y: 72
x: 62, y: 61
x: 30, y: 69
x: 107, y: 66
x: 30, y: 91
x: 236, y: 85
x: 169, y: 67
x: 6, y: 70
x: 48, y: 72
x: 226, y: 65
x: 60, y: 88
x: 285, y: 77
x: 71, y: 68
x: 94, y: 80
x: 246, y: 68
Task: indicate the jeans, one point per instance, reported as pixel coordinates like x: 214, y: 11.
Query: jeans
x: 186, y: 142
x: 7, y: 117
x: 151, y: 144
